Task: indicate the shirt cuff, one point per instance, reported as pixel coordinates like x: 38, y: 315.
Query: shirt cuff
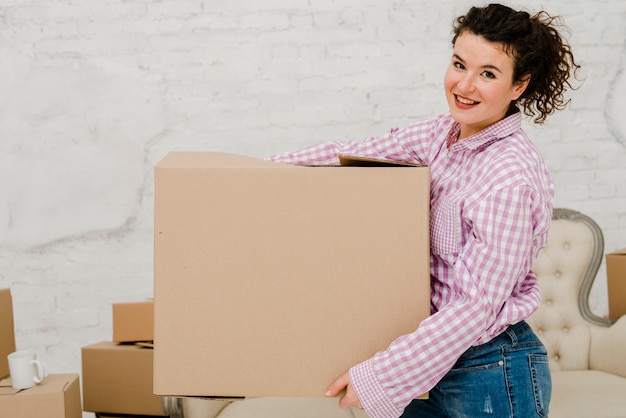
x: 371, y: 393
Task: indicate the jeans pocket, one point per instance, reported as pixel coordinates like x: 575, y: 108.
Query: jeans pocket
x: 542, y: 382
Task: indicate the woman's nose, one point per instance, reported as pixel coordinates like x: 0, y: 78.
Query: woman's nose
x: 466, y: 83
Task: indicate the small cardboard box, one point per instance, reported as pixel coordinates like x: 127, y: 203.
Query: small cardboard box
x: 616, y: 282
x: 133, y: 321
x: 7, y: 331
x: 273, y: 279
x: 117, y: 379
x: 58, y: 396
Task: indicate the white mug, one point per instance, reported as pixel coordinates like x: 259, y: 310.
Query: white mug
x: 26, y: 371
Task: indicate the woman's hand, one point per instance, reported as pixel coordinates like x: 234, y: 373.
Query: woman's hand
x: 349, y: 398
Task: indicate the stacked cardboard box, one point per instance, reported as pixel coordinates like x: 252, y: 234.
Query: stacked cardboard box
x: 133, y: 322
x: 616, y: 283
x: 273, y: 279
x: 7, y: 331
x: 58, y: 396
x: 117, y: 375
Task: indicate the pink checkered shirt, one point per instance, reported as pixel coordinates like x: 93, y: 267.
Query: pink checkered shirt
x: 491, y: 206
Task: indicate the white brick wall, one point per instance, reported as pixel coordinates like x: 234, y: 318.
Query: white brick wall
x: 93, y: 93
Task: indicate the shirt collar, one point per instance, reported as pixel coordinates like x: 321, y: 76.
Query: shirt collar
x: 492, y: 133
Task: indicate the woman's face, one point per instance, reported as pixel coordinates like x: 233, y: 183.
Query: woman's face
x: 479, y: 83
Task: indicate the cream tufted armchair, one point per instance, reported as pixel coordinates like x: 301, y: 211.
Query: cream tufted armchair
x: 587, y: 353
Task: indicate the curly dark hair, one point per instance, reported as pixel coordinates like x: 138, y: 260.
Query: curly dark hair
x: 538, y: 51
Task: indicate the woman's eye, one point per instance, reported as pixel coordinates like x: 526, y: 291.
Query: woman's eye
x: 488, y: 74
x: 459, y: 65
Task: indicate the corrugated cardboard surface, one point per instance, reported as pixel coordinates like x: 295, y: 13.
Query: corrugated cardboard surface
x: 616, y: 283
x: 58, y: 396
x: 272, y: 279
x: 133, y: 321
x: 7, y: 331
x: 117, y: 378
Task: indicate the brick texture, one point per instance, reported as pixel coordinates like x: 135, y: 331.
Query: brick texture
x: 93, y: 93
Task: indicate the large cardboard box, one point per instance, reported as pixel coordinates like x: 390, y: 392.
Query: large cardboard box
x: 133, y: 321
x: 273, y: 279
x: 58, y: 396
x: 7, y: 331
x: 117, y: 378
x: 616, y: 282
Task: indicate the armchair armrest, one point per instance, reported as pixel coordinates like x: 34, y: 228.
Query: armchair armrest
x: 608, y: 346
x: 205, y: 408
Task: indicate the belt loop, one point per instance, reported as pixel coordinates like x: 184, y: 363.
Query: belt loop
x: 512, y: 335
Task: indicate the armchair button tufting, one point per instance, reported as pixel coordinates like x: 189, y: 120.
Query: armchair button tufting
x: 566, y: 246
x: 549, y: 302
x: 565, y: 329
x: 558, y: 274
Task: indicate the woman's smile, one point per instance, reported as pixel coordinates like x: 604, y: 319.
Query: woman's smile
x: 464, y: 102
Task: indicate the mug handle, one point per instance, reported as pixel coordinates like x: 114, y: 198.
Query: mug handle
x: 41, y: 372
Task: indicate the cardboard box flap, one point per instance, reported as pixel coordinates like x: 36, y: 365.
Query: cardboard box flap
x: 145, y: 344
x: 350, y: 160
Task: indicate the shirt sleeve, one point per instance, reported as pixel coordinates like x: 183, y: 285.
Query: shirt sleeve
x: 490, y: 267
x: 401, y: 145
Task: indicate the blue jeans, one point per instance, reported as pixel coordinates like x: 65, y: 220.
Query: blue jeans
x: 507, y: 377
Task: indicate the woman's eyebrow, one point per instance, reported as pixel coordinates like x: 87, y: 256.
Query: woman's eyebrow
x: 486, y: 66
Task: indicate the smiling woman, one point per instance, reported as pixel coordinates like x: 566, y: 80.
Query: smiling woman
x: 491, y: 206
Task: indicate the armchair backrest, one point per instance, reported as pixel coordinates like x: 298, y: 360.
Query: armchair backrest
x: 566, y: 270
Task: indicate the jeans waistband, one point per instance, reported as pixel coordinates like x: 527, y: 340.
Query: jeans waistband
x: 512, y: 332
x: 509, y: 337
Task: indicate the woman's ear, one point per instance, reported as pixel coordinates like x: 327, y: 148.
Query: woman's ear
x: 520, y: 86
